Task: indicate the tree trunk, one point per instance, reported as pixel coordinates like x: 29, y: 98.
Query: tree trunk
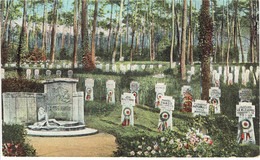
x: 133, y: 34
x: 75, y: 31
x: 228, y: 47
x: 178, y: 33
x: 19, y: 49
x: 241, y: 44
x: 152, y: 43
x: 252, y: 34
x: 256, y: 4
x: 53, y: 34
x: 206, y: 47
x: 9, y: 31
x: 172, y: 44
x: 127, y: 18
x: 93, y: 34
x: 137, y: 43
x: 222, y: 38
x: 183, y: 42
x: 118, y: 31
x: 110, y: 28
x: 235, y: 32
x: 43, y: 27
x: 6, y: 20
x: 189, y: 38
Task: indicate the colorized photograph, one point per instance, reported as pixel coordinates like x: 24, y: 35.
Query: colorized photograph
x: 129, y: 78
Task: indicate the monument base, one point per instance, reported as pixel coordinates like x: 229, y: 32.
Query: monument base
x: 54, y: 128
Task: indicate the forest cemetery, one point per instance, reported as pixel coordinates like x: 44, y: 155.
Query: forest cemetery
x: 152, y: 78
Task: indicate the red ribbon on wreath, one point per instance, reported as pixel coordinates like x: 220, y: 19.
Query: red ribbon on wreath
x: 127, y: 113
x: 88, y: 94
x: 164, y: 116
x: 109, y: 95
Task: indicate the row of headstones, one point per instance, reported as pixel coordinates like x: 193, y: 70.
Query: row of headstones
x: 45, y: 65
x: 37, y: 73
x: 233, y: 77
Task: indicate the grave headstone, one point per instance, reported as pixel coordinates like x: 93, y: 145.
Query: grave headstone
x: 110, y: 85
x: 80, y: 65
x: 58, y: 73
x: 217, y: 80
x: 225, y: 74
x: 215, y: 94
x: 2, y: 73
x: 107, y: 67
x: 192, y: 69
x: 13, y: 64
x: 6, y: 65
x: 122, y: 68
x: 187, y: 98
x: 151, y: 66
x: 200, y: 107
x: 89, y: 84
x: 230, y: 79
x: 128, y: 103
x: 236, y: 74
x: 70, y: 73
x: 213, y: 76
x: 128, y: 67
x: 114, y: 68
x: 220, y: 70
x: 42, y: 66
x: 134, y: 88
x: 165, y: 118
x: 35, y: 66
x: 143, y: 66
x: 76, y: 65
x: 48, y: 73
x: 121, y: 59
x: 99, y: 66
x: 251, y: 68
x: 245, y: 95
x: 64, y: 65
x: 36, y: 73
x: 58, y: 66
x: 28, y: 73
x: 159, y: 66
x: 245, y: 112
x: 160, y: 89
x: 51, y: 65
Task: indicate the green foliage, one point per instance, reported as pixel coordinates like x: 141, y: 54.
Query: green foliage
x: 95, y: 108
x: 21, y: 85
x: 14, y: 141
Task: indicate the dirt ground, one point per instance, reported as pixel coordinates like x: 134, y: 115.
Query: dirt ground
x: 98, y: 145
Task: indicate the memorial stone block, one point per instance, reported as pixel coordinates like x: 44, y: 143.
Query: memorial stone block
x: 134, y: 88
x: 2, y: 73
x: 159, y: 66
x: 220, y: 70
x: 89, y: 94
x: 151, y: 66
x: 128, y: 67
x: 128, y: 103
x: 107, y: 67
x: 110, y: 85
x: 6, y: 65
x: 160, y: 89
x: 35, y: 66
x: 192, y: 69
x: 114, y: 68
x: 217, y: 80
x: 200, y: 107
x: 143, y: 66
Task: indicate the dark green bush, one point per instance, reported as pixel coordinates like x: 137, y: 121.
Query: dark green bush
x: 95, y: 108
x: 21, y: 85
x: 13, y: 144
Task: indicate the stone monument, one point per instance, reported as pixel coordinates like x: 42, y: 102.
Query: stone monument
x: 128, y: 103
x: 200, y: 107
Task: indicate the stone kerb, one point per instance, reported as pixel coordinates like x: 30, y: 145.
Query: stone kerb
x: 160, y: 89
x: 128, y: 103
x: 165, y: 118
x: 89, y: 94
x: 200, y: 107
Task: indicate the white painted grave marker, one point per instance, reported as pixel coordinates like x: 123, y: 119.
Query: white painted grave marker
x: 200, y: 107
x: 2, y: 73
x: 160, y: 89
x: 187, y: 98
x: 143, y: 66
x: 58, y: 73
x: 134, y: 88
x: 245, y: 112
x: 230, y: 79
x: 128, y: 103
x: 107, y: 67
x: 70, y: 73
x: 89, y: 84
x: 215, y: 94
x: 48, y: 73
x: 114, y: 68
x: 28, y: 73
x: 245, y: 95
x: 220, y: 70
x: 166, y: 107
x: 110, y: 85
x: 36, y: 73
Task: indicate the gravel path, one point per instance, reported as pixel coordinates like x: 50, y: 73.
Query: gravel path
x: 98, y: 145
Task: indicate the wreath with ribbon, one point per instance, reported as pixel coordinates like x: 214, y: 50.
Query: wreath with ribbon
x: 127, y: 113
x: 109, y: 94
x: 214, y: 101
x: 88, y: 94
x: 159, y: 96
x: 245, y: 124
x: 135, y: 94
x: 164, y: 116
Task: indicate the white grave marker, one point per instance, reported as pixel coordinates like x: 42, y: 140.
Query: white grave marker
x: 245, y: 95
x: 128, y: 67
x: 70, y: 73
x: 245, y: 112
x: 230, y: 79
x: 36, y: 73
x: 236, y: 74
x: 28, y: 73
x: 114, y: 68
x: 160, y: 89
x: 107, y: 67
x: 110, y: 85
x: 48, y: 73
x: 58, y: 73
x: 143, y: 66
x: 89, y: 84
x: 200, y: 107
x: 134, y: 88
x: 215, y: 94
x: 128, y: 103
x: 151, y: 66
x: 2, y: 73
x: 220, y: 70
x: 159, y: 66
x: 166, y: 107
x: 187, y: 98
x: 217, y: 80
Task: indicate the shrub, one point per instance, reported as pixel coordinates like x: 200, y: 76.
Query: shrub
x: 21, y: 85
x: 14, y: 141
x: 95, y: 108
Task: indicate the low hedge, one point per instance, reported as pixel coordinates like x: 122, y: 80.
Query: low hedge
x: 13, y: 137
